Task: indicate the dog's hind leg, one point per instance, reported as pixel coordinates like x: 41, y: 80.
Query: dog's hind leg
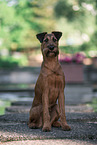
x: 35, y: 119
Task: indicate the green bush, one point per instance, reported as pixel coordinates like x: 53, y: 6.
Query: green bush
x: 11, y: 62
x: 70, y: 49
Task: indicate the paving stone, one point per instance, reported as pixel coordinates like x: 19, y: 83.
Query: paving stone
x: 17, y: 109
x: 21, y: 103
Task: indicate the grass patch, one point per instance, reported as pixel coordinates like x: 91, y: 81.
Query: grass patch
x: 94, y: 104
x: 3, y: 105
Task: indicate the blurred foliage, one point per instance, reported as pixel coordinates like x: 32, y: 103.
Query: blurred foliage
x: 69, y: 49
x: 12, y: 62
x: 78, y: 16
x: 78, y: 19
x: 21, y: 20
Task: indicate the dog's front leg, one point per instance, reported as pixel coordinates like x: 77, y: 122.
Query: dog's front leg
x: 61, y: 101
x: 46, y: 116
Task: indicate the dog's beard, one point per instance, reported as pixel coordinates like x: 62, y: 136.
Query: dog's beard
x: 52, y: 53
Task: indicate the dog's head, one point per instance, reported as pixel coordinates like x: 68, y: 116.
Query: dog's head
x: 49, y: 43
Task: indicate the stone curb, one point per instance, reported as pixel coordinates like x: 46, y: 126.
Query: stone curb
x: 26, y: 109
x: 50, y: 141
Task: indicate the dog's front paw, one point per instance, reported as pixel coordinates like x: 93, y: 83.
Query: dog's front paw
x: 66, y: 127
x: 46, y: 128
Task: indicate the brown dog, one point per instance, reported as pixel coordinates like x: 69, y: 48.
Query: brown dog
x: 49, y: 88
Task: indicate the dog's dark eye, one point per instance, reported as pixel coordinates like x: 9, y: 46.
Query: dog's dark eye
x: 46, y: 40
x: 54, y: 39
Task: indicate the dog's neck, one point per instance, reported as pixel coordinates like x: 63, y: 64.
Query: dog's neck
x: 52, y: 65
x: 50, y: 62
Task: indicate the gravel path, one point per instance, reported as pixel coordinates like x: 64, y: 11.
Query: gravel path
x: 13, y: 127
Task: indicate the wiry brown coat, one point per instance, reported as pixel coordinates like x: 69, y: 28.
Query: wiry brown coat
x: 45, y: 112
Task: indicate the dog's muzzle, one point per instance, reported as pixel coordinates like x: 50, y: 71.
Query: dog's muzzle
x: 51, y: 47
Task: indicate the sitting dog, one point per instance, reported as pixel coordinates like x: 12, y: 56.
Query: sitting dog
x: 45, y: 112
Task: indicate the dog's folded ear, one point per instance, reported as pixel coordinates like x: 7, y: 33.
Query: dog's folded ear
x: 57, y: 34
x: 41, y: 36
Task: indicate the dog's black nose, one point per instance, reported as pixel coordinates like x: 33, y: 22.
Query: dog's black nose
x: 51, y: 47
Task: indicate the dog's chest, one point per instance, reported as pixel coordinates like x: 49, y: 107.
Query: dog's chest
x: 55, y: 84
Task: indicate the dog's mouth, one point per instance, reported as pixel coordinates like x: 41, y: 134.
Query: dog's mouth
x: 52, y: 53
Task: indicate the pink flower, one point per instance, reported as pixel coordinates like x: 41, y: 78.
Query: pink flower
x: 68, y: 59
x: 77, y: 58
